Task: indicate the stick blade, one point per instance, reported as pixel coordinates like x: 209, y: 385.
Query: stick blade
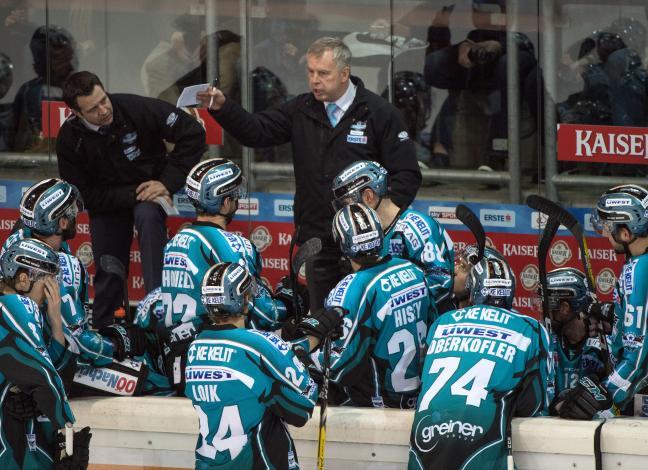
x: 310, y: 248
x: 553, y: 210
x: 470, y: 220
x: 112, y: 265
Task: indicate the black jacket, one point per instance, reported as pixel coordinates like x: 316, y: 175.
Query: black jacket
x: 371, y: 129
x: 99, y: 165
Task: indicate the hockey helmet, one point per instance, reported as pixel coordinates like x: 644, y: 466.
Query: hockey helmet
x: 350, y: 182
x: 35, y: 256
x: 45, y: 202
x: 491, y: 282
x: 357, y: 230
x: 567, y: 284
x: 211, y: 181
x: 224, y: 289
x: 622, y: 206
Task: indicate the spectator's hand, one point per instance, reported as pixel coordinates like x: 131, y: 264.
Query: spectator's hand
x: 213, y: 98
x: 150, y: 190
x: 464, y: 49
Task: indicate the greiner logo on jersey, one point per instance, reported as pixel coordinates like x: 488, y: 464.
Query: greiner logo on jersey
x: 427, y: 433
x: 605, y: 281
x: 560, y: 253
x: 283, y: 207
x: 445, y: 215
x: 248, y: 206
x: 529, y: 277
x: 261, y: 238
x: 497, y: 218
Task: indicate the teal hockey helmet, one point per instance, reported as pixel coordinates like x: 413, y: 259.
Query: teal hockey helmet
x: 211, y: 181
x: 625, y: 205
x: 32, y: 255
x: 224, y: 289
x: 350, y: 182
x: 491, y: 282
x: 568, y: 284
x: 45, y: 202
x: 357, y: 231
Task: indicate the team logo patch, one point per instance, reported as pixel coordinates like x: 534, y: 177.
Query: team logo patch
x: 357, y: 139
x: 261, y: 237
x: 359, y: 126
x: 171, y: 119
x: 403, y: 136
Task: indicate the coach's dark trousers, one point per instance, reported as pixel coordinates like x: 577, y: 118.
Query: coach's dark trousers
x: 112, y: 234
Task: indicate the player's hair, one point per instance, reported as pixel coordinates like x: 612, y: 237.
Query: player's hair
x: 341, y: 53
x: 79, y: 84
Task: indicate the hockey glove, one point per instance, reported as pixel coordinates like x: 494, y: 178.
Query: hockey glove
x: 284, y: 292
x: 602, y: 312
x: 583, y: 401
x: 80, y: 455
x: 20, y: 405
x: 323, y: 323
x: 128, y: 340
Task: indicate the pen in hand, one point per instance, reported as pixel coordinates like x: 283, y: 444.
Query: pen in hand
x: 211, y: 100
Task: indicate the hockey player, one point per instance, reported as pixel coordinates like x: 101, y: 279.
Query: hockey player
x: 214, y: 188
x: 575, y: 354
x: 247, y: 384
x: 409, y: 234
x: 33, y: 400
x: 484, y: 365
x: 621, y: 215
x: 48, y: 212
x: 464, y: 261
x: 378, y: 359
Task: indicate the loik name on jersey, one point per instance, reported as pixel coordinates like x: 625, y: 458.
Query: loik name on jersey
x: 205, y: 393
x: 473, y: 345
x: 509, y: 249
x: 397, y: 279
x: 482, y: 313
x: 181, y: 240
x: 177, y: 279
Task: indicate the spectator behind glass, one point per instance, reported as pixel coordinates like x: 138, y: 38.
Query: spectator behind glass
x: 169, y: 61
x: 474, y: 71
x: 6, y: 80
x: 25, y: 128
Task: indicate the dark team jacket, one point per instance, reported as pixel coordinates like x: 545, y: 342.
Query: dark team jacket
x: 108, y: 168
x: 371, y: 129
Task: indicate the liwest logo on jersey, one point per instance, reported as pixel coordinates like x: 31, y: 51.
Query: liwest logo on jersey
x: 283, y: 207
x: 497, y: 218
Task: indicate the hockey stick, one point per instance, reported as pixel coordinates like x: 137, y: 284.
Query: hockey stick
x: 69, y: 439
x: 470, y: 220
x: 563, y: 217
x: 321, y: 442
x: 309, y: 249
x: 112, y: 265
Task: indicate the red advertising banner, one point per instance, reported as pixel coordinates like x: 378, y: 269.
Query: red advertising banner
x: 54, y: 113
x: 272, y: 239
x: 603, y: 144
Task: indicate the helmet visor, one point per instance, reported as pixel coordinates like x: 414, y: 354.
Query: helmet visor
x: 605, y: 221
x: 349, y: 193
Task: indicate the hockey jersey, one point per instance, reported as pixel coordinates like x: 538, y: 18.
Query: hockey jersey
x: 245, y: 386
x: 423, y: 241
x: 378, y: 359
x: 629, y: 348
x: 189, y: 254
x: 483, y: 366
